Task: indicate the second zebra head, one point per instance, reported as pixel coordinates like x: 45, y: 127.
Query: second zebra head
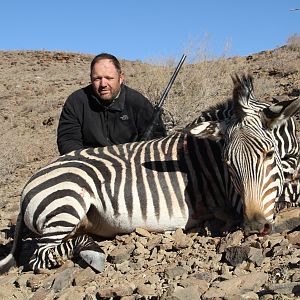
x: 259, y: 150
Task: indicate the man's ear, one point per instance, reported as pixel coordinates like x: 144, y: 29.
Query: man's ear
x: 209, y: 129
x: 122, y: 77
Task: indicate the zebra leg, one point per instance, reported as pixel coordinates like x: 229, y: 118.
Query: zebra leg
x: 49, y: 256
x: 90, y: 252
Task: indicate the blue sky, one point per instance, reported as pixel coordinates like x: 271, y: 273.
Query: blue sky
x: 147, y: 29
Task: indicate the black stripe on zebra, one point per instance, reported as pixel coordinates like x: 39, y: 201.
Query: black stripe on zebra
x: 166, y: 183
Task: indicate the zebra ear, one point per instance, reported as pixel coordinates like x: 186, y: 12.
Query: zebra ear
x: 276, y: 114
x: 209, y: 129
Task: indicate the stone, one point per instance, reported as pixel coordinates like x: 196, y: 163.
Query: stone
x: 72, y: 293
x: 241, y: 285
x: 183, y: 293
x: 140, y: 250
x: 249, y: 296
x: 245, y: 296
x: 48, y: 281
x: 294, y: 238
x: 115, y: 291
x: 213, y: 293
x: 230, y: 240
x: 67, y: 264
x: 90, y: 297
x: 82, y: 277
x: 138, y: 264
x: 240, y: 269
x: 63, y: 280
x: 272, y: 240
x: 8, y: 279
x: 266, y: 297
x: 153, y: 242
x: 202, y: 285
x: 284, y: 288
x: 153, y: 254
x: 153, y: 279
x: 120, y: 253
x: 36, y: 281
x: 166, y: 246
x: 142, y: 232
x: 225, y: 270
x: 44, y: 294
x: 238, y: 254
x: 296, y: 276
x: 255, y: 255
x: 206, y: 276
x: 181, y: 240
x: 145, y: 290
x: 280, y: 250
x: 175, y: 272
x: 22, y: 281
x: 287, y: 220
x: 123, y: 267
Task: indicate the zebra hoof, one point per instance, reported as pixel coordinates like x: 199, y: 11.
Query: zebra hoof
x: 94, y: 258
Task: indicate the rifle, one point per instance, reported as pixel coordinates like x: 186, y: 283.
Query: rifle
x: 158, y: 107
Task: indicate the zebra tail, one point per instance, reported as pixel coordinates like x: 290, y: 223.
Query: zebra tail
x: 10, y: 260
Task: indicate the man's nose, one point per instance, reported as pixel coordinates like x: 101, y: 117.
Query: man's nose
x: 103, y: 82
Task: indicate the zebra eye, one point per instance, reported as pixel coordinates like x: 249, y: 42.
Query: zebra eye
x: 270, y: 154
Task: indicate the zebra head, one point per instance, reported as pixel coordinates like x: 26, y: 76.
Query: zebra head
x: 250, y: 151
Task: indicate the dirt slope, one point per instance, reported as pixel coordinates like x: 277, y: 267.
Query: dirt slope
x: 33, y: 88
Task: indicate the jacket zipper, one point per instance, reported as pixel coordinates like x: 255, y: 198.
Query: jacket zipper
x: 107, y: 127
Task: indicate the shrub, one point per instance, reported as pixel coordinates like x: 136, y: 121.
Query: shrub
x: 293, y: 42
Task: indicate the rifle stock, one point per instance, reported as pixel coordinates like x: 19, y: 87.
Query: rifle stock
x: 158, y: 107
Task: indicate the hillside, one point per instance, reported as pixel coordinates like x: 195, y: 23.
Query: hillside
x: 33, y: 88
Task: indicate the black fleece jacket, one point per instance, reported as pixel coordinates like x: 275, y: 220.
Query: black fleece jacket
x: 84, y: 122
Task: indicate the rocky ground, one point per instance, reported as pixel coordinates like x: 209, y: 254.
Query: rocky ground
x: 142, y: 265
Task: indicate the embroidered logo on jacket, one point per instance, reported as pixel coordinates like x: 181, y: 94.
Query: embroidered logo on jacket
x: 124, y: 118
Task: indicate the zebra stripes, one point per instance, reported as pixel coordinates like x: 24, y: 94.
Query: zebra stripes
x: 234, y: 161
x: 260, y: 150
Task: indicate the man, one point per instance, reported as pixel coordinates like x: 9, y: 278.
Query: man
x: 106, y: 112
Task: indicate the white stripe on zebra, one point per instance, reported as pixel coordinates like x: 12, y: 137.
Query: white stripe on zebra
x: 151, y: 218
x: 67, y: 217
x: 160, y: 197
x: 35, y: 201
x: 179, y: 175
x: 136, y: 205
x: 108, y: 164
x: 121, y: 195
x: 175, y: 208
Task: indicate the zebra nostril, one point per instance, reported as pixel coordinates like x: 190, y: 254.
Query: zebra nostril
x: 267, y: 228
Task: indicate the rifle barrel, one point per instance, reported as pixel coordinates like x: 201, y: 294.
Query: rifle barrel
x: 158, y: 107
x: 165, y: 94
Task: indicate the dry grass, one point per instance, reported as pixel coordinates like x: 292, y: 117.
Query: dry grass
x: 35, y: 84
x: 293, y: 42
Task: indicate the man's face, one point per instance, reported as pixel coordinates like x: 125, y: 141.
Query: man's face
x: 106, y: 80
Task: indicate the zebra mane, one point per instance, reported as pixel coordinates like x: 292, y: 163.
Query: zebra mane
x: 217, y: 112
x: 243, y: 97
x: 242, y: 102
x: 243, y: 88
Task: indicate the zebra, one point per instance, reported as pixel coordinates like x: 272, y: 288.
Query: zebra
x: 233, y: 162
